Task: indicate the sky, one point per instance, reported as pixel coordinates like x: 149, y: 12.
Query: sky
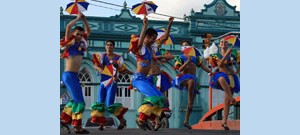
x: 175, y: 8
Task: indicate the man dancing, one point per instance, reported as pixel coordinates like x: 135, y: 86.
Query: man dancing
x: 74, y: 45
x: 104, y: 63
x: 154, y: 101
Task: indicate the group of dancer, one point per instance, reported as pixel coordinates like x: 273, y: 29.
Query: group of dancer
x: 148, y: 78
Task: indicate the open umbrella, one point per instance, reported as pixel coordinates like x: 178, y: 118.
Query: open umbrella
x: 234, y: 40
x: 160, y: 33
x: 107, y: 75
x: 144, y: 8
x: 191, y: 51
x: 77, y: 6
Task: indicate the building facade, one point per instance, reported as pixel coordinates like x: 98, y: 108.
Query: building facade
x: 217, y: 18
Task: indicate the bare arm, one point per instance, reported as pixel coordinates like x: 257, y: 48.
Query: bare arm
x: 142, y: 36
x: 70, y: 25
x: 221, y: 62
x: 182, y: 67
x: 205, y: 68
x: 98, y: 68
x: 86, y: 25
x: 169, y: 57
x: 238, y: 69
x: 167, y: 33
x: 126, y: 71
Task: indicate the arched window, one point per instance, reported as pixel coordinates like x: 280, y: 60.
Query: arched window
x: 124, y: 95
x: 84, y: 76
x: 124, y: 79
x: 87, y: 90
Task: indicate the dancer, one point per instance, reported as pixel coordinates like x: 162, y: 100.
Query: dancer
x: 152, y: 105
x: 225, y: 77
x: 187, y: 66
x: 104, y: 63
x: 157, y: 76
x: 74, y: 45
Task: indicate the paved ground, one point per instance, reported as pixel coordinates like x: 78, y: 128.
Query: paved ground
x: 174, y: 131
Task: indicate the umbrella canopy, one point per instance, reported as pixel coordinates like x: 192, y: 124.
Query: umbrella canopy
x: 160, y: 33
x: 191, y: 51
x: 144, y: 8
x: 234, y: 40
x: 77, y: 6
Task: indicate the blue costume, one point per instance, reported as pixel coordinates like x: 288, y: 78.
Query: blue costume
x: 183, y: 77
x: 232, y: 80
x: 72, y: 113
x: 108, y: 89
x: 162, y: 81
x: 154, y: 101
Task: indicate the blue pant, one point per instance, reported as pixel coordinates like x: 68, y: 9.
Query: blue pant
x: 107, y: 94
x: 144, y: 86
x: 72, y: 83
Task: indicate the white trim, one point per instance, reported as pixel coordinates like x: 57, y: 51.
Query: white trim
x: 92, y: 92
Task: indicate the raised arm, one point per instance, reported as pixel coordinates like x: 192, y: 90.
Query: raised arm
x: 86, y: 25
x: 142, y: 36
x: 70, y: 25
x: 167, y: 33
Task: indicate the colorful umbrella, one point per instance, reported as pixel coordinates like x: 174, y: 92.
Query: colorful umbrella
x: 191, y: 51
x: 77, y: 6
x: 160, y: 33
x: 234, y: 40
x: 107, y: 75
x: 145, y: 8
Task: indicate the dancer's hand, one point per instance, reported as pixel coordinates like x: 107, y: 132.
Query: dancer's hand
x: 171, y: 19
x: 145, y: 21
x: 79, y: 15
x: 82, y: 16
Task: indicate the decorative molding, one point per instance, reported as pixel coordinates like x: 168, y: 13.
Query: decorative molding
x: 125, y: 27
x: 213, y: 4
